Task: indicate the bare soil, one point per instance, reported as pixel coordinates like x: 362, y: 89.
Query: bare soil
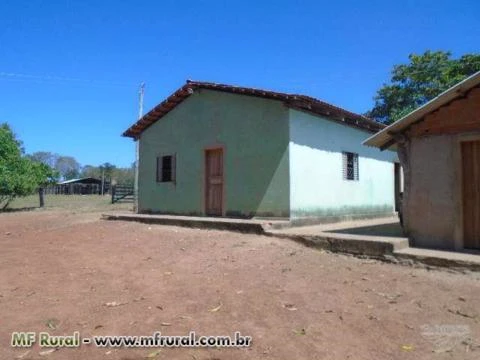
x: 59, y: 269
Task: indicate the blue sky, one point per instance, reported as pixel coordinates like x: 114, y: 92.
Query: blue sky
x: 78, y: 64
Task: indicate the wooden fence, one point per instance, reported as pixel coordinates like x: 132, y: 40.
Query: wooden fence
x: 122, y: 193
x: 74, y: 189
x: 77, y: 189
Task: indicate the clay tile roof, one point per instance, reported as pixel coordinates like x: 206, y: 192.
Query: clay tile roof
x: 295, y: 101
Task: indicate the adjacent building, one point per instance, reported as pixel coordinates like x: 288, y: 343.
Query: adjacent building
x: 439, y: 149
x: 220, y: 150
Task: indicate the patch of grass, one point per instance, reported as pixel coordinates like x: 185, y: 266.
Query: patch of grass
x: 83, y: 203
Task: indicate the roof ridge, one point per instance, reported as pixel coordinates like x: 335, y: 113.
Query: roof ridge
x: 295, y: 101
x: 294, y: 95
x: 215, y: 84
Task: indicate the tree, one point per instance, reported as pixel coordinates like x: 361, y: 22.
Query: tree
x: 44, y: 157
x: 68, y: 167
x: 425, y: 77
x: 108, y: 170
x: 19, y: 175
x: 123, y: 176
x: 91, y: 171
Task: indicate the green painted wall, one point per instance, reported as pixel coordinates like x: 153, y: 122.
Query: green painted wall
x: 254, y: 132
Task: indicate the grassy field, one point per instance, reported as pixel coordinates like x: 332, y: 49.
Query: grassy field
x: 87, y: 203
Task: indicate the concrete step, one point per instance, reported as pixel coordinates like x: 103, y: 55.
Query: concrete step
x: 375, y: 246
x: 450, y: 259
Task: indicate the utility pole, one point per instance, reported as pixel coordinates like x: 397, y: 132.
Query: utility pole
x: 141, y: 94
x: 103, y: 179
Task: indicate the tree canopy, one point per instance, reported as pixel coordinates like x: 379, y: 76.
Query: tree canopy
x: 111, y: 172
x: 67, y: 166
x: 19, y: 174
x: 45, y: 157
x: 423, y: 78
x: 22, y: 175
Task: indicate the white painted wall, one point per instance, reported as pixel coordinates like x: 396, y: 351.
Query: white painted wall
x: 317, y: 187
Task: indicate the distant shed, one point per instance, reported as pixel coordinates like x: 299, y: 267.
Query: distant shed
x: 81, y: 186
x: 84, y: 181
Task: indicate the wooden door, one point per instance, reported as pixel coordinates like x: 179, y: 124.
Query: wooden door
x: 214, y: 182
x: 471, y: 194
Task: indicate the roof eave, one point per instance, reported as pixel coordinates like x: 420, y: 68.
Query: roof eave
x: 364, y: 124
x: 311, y: 104
x: 386, y: 135
x: 158, y: 111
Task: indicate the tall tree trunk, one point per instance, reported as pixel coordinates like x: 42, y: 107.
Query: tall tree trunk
x: 41, y: 198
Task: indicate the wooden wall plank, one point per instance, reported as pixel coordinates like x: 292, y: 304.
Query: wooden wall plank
x: 462, y: 115
x: 471, y: 193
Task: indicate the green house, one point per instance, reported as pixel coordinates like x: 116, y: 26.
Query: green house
x: 220, y: 150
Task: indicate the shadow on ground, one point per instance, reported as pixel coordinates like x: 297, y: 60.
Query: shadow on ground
x: 10, y: 210
x: 388, y: 230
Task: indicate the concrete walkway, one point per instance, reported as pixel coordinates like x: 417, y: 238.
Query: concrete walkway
x: 378, y: 238
x: 242, y: 225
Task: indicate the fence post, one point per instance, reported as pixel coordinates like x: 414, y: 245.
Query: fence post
x: 40, y: 195
x: 113, y: 193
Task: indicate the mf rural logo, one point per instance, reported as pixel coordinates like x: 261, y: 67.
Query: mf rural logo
x: 28, y: 339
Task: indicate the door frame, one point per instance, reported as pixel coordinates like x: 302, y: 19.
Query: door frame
x: 397, y: 185
x: 216, y: 146
x: 458, y: 235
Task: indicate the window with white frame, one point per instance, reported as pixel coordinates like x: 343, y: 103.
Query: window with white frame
x: 350, y: 166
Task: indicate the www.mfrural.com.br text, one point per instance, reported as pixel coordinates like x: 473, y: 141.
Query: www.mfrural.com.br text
x: 75, y: 340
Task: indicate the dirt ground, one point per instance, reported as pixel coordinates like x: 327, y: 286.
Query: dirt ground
x: 59, y: 269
